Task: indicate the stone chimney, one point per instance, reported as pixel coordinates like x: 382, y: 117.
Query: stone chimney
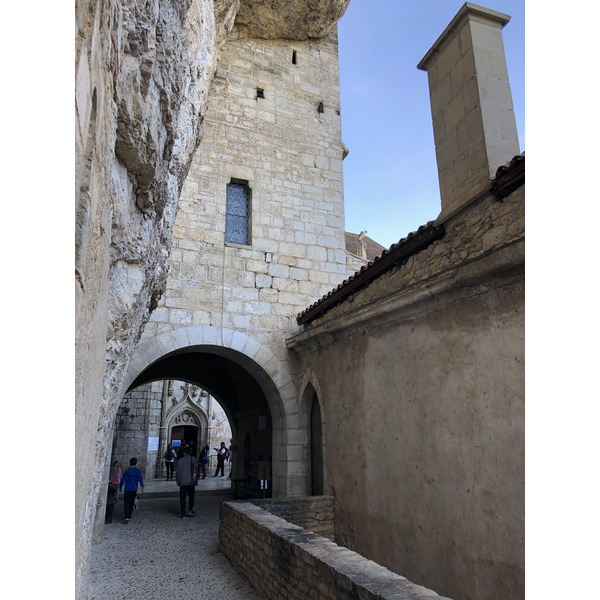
x: 474, y: 124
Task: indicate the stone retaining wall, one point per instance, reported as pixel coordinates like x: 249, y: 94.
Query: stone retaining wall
x: 283, y: 560
x: 313, y: 513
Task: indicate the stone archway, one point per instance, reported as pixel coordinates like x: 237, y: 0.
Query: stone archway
x: 168, y: 356
x: 250, y: 359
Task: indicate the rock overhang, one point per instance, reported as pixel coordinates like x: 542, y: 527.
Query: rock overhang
x: 288, y: 19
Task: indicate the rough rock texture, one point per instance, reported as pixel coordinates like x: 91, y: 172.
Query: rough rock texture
x: 143, y: 69
x: 289, y: 19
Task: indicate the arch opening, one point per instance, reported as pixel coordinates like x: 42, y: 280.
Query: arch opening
x: 316, y: 449
x: 315, y: 473
x: 167, y: 414
x: 247, y: 395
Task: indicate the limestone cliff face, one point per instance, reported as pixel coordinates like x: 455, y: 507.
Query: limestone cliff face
x: 143, y: 72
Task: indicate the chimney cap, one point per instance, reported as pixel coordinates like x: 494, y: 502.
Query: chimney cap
x: 467, y: 10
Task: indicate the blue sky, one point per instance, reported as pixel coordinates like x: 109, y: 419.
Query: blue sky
x: 390, y: 176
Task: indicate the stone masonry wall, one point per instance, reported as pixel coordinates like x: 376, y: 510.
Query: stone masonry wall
x: 282, y: 560
x: 313, y: 513
x: 138, y: 418
x: 432, y: 355
x: 485, y: 227
x: 291, y: 156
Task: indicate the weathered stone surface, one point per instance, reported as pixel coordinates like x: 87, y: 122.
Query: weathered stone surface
x: 143, y: 73
x: 283, y: 560
x: 436, y: 351
x: 289, y: 19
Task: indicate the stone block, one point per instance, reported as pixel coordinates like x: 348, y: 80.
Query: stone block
x: 276, y: 270
x: 263, y: 281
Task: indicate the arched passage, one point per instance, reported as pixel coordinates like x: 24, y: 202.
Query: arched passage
x: 235, y: 383
x: 249, y: 382
x: 244, y: 376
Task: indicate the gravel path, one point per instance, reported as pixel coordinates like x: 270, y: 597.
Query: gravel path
x: 158, y: 555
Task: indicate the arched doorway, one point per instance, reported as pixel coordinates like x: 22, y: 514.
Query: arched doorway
x: 314, y: 423
x: 316, y: 449
x: 186, y: 435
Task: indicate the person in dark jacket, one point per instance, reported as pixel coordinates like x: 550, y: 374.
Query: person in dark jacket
x: 184, y: 471
x: 204, y: 460
x: 129, y: 481
x: 169, y: 457
x: 110, y: 502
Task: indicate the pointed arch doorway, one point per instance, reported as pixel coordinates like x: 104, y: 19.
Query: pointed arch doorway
x: 316, y: 449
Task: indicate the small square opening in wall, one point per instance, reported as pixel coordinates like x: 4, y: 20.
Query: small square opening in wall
x: 294, y: 58
x: 320, y: 107
x: 260, y: 93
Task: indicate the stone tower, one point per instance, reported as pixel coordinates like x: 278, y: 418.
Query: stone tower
x: 143, y: 76
x: 259, y: 236
x: 259, y: 233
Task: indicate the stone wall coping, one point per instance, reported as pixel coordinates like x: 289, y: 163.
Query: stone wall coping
x: 352, y: 571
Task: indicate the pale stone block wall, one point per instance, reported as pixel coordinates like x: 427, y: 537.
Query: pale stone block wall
x: 291, y: 156
x: 138, y: 418
x: 474, y: 125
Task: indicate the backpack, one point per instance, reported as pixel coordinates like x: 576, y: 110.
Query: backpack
x: 168, y: 454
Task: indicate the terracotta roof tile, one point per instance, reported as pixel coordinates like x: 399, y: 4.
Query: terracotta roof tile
x: 508, y: 178
x: 397, y: 253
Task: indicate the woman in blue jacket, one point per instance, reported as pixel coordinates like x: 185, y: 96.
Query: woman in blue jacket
x: 130, y: 480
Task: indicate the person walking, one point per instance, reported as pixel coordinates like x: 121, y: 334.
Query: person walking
x: 115, y: 479
x: 180, y: 451
x: 186, y: 476
x: 129, y: 481
x: 169, y: 461
x: 221, y: 456
x: 204, y: 460
x: 110, y: 502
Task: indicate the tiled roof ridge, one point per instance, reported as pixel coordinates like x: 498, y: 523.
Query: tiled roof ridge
x: 508, y: 178
x: 414, y: 242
